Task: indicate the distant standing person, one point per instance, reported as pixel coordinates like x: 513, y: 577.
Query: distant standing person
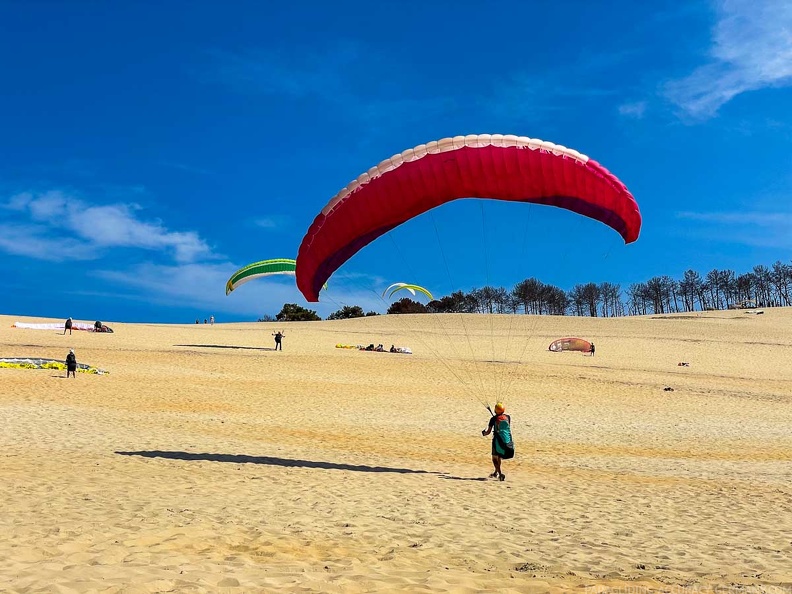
x: 591, y: 350
x: 68, y: 326
x: 71, y: 364
x: 211, y: 320
x: 278, y: 340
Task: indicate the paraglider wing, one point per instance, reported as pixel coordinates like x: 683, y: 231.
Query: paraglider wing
x: 501, y: 167
x: 259, y: 269
x: 411, y: 288
x: 395, y: 287
x: 570, y: 344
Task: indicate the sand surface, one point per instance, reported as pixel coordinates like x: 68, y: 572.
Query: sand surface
x: 206, y: 461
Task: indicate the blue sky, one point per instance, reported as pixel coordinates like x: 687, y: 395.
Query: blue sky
x: 149, y: 150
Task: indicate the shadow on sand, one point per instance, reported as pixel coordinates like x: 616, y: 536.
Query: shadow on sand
x: 269, y: 460
x: 224, y: 346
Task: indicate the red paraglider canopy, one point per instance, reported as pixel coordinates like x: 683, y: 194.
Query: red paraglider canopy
x: 500, y: 167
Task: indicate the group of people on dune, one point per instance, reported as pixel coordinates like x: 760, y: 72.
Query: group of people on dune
x: 381, y: 349
x: 97, y: 327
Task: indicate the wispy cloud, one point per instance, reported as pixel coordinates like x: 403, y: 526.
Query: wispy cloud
x: 271, y: 222
x: 740, y: 218
x: 582, y: 80
x: 756, y: 228
x: 203, y: 286
x: 635, y: 110
x: 186, y: 168
x: 331, y: 77
x: 197, y: 284
x: 751, y: 49
x: 538, y: 95
x: 340, y: 75
x: 364, y: 281
x: 295, y: 74
x: 56, y: 226
x: 35, y: 241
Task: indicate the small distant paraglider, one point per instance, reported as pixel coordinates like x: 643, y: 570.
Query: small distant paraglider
x: 396, y: 287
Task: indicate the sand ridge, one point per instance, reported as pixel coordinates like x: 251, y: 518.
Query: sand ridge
x: 206, y: 461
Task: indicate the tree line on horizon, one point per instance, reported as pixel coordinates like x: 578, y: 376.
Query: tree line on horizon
x: 718, y: 289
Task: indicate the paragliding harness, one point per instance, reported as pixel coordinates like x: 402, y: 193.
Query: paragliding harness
x: 503, y: 436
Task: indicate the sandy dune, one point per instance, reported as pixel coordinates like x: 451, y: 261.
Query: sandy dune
x: 206, y: 461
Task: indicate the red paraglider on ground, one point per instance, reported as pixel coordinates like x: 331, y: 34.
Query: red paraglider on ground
x: 570, y: 344
x: 499, y: 167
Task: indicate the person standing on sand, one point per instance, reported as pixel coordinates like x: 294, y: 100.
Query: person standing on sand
x: 71, y: 364
x: 591, y: 350
x: 68, y: 326
x: 278, y: 339
x: 211, y: 320
x: 502, y: 445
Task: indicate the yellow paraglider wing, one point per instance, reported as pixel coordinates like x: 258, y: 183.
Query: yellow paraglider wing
x: 396, y: 287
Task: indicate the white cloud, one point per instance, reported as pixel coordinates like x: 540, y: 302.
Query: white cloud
x: 764, y: 219
x: 116, y: 225
x: 34, y: 241
x: 200, y: 285
x: 362, y: 280
x: 635, y: 110
x: 751, y: 49
x: 271, y: 222
x: 203, y: 286
x: 57, y: 220
x: 756, y: 228
x: 57, y: 227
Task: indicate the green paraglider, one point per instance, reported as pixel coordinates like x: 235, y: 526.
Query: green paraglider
x: 260, y: 269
